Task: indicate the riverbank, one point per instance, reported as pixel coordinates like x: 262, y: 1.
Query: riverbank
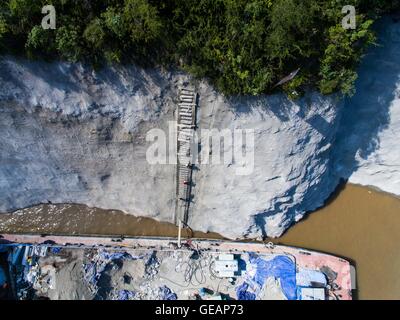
x: 361, y: 224
x: 83, y: 133
x: 357, y: 223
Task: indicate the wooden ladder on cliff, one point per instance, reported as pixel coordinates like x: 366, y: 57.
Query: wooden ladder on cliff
x: 186, y: 125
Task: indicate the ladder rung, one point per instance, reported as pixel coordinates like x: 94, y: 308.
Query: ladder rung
x: 189, y: 95
x: 187, y: 90
x: 185, y: 135
x: 186, y: 104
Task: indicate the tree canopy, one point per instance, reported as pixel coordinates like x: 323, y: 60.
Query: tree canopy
x: 243, y: 46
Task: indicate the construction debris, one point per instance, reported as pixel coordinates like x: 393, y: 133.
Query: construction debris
x: 189, y: 273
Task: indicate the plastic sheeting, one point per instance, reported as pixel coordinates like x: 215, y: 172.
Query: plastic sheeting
x: 93, y: 270
x: 281, y: 267
x: 3, y: 278
x: 126, y: 295
x: 55, y: 250
x: 167, y: 294
x: 114, y: 255
x: 242, y: 292
x: 310, y: 278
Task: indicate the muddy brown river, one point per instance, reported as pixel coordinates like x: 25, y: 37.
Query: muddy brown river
x: 357, y: 223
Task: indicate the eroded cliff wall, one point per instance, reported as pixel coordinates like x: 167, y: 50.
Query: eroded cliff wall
x: 72, y: 134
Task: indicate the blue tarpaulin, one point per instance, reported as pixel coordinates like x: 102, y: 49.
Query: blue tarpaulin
x: 243, y: 294
x: 115, y: 255
x: 3, y: 278
x: 281, y: 267
x: 167, y: 294
x: 126, y: 295
x: 55, y: 250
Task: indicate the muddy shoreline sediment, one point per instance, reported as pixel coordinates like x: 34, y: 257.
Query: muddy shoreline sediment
x: 358, y: 223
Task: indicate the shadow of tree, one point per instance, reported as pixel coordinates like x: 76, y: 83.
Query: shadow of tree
x: 81, y: 79
x: 367, y: 113
x: 363, y: 116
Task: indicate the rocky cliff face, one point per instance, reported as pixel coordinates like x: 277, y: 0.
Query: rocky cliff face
x: 71, y: 134
x: 292, y: 170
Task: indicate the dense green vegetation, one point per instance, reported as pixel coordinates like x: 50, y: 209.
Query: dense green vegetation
x: 243, y: 46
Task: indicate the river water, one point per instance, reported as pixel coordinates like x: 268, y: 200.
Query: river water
x: 358, y: 223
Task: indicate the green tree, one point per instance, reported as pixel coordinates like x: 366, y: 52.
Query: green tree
x: 68, y: 42
x: 3, y: 28
x: 94, y: 33
x: 40, y: 40
x: 341, y: 55
x: 293, y: 30
x: 142, y: 21
x: 242, y: 46
x: 114, y: 22
x: 24, y: 14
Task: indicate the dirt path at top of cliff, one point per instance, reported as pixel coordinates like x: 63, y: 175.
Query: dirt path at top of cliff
x: 358, y: 223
